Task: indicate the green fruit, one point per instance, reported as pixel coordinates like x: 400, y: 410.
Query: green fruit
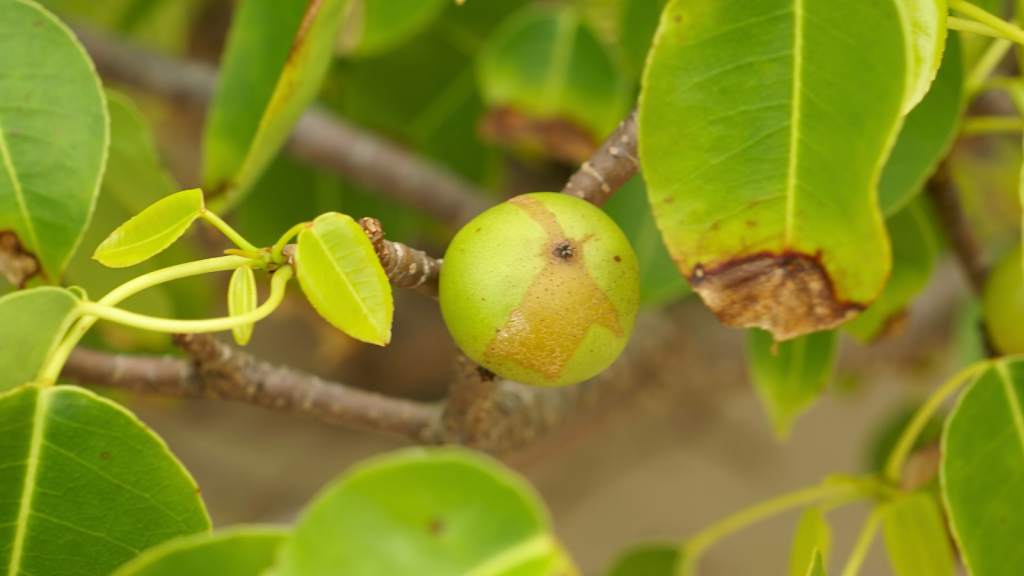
x: 1002, y: 303
x: 542, y: 289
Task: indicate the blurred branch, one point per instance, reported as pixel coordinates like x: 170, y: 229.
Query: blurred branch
x: 614, y: 163
x: 319, y: 137
x: 944, y: 196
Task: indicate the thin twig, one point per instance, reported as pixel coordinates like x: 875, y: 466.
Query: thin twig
x: 319, y: 137
x: 406, y: 267
x: 614, y: 163
x: 942, y: 191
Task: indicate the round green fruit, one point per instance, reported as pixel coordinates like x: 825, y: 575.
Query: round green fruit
x: 1002, y: 303
x: 542, y: 289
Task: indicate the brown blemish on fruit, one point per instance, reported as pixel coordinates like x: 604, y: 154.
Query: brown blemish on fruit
x: 544, y: 332
x: 17, y: 264
x: 789, y: 294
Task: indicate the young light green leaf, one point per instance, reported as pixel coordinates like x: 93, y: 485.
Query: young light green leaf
x: 916, y: 537
x: 242, y: 300
x: 451, y: 512
x: 927, y: 135
x: 748, y: 112
x: 913, y: 256
x: 343, y: 279
x: 924, y: 28
x: 813, y: 538
x: 545, y: 65
x: 982, y: 464
x: 86, y: 486
x: 1002, y: 303
x: 637, y: 25
x: 817, y: 566
x: 648, y: 560
x: 276, y: 57
x: 151, y: 231
x: 789, y: 375
x: 34, y: 322
x: 53, y: 142
x: 376, y: 26
x: 238, y: 551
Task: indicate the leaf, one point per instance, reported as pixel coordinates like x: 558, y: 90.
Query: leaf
x: 86, y: 486
x: 636, y: 31
x: 817, y: 566
x: 660, y: 281
x: 748, y: 112
x: 34, y: 323
x: 242, y: 300
x: 924, y: 25
x: 790, y: 375
x: 915, y: 535
x: 913, y: 257
x: 238, y: 551
x: 648, y: 560
x: 376, y: 26
x: 343, y: 279
x: 53, y: 142
x: 442, y: 512
x: 151, y: 231
x: 813, y: 538
x: 550, y: 84
x: 982, y: 467
x: 928, y: 133
x: 275, y: 60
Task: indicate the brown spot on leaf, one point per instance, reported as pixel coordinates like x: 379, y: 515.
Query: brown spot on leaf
x: 789, y: 295
x: 618, y: 259
x: 104, y: 455
x: 555, y: 138
x: 544, y: 332
x: 436, y: 527
x: 17, y: 264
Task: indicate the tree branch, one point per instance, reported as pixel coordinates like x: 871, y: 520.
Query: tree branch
x: 614, y: 163
x: 943, y: 193
x: 406, y: 267
x: 319, y: 137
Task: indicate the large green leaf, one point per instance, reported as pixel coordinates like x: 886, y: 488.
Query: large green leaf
x: 763, y: 129
x: 813, y: 537
x: 277, y: 54
x: 151, y: 231
x: 343, y: 279
x: 85, y: 486
x: 928, y: 132
x: 648, y: 560
x: 913, y: 256
x: 53, y: 142
x: 789, y: 376
x: 33, y: 322
x: 442, y: 512
x: 240, y: 551
x: 915, y: 534
x: 982, y: 473
x: 376, y: 26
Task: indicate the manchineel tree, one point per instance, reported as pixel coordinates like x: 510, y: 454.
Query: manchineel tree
x: 796, y: 156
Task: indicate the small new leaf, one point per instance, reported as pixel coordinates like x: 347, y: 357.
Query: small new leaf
x: 915, y: 535
x: 817, y: 566
x: 813, y: 537
x: 648, y: 560
x: 34, y: 322
x: 342, y: 277
x: 242, y: 300
x: 151, y: 231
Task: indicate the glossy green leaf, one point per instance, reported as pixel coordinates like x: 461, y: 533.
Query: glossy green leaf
x: 276, y: 57
x: 813, y: 537
x: 749, y: 111
x: 34, y: 322
x: 648, y: 560
x: 637, y: 25
x: 442, y: 512
x: 242, y: 300
x: 546, y: 64
x: 913, y: 257
x: 660, y: 280
x: 151, y: 231
x: 240, y: 551
x: 982, y: 468
x: 53, y: 142
x: 928, y: 133
x: 343, y: 279
x: 916, y: 537
x: 376, y: 26
x: 924, y: 26
x: 789, y: 376
x: 85, y: 486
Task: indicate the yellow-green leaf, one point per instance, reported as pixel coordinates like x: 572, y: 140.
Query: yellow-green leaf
x: 924, y: 28
x: 817, y: 566
x: 343, y: 279
x: 242, y: 300
x: 151, y: 231
x: 813, y: 537
x: 648, y: 560
x: 32, y: 324
x: 236, y: 551
x: 916, y: 537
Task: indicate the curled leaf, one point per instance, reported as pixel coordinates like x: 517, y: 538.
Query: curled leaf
x: 151, y: 231
x: 241, y: 300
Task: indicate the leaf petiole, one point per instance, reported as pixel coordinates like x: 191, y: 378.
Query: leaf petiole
x: 988, y: 61
x: 228, y: 231
x: 292, y: 232
x: 997, y: 24
x: 977, y: 125
x: 863, y: 544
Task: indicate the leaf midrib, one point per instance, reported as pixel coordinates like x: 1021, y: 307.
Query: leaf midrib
x: 358, y: 298
x: 1014, y: 402
x: 794, y: 130
x: 27, y: 491
x: 173, y: 232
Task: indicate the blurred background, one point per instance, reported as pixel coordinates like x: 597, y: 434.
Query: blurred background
x: 511, y: 95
